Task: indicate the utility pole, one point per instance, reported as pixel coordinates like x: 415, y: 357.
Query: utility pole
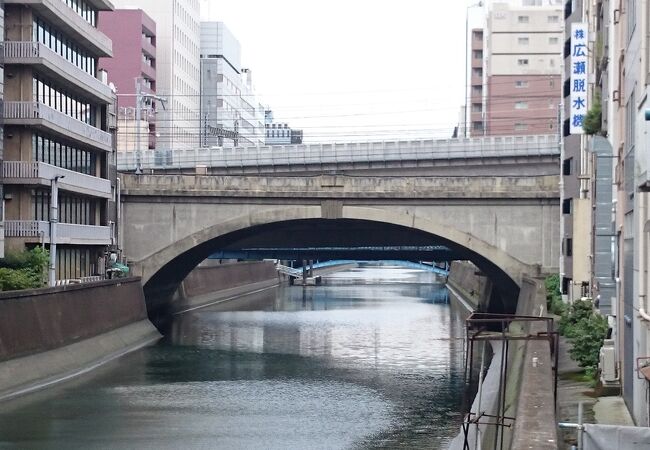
x: 54, y: 220
x: 138, y: 117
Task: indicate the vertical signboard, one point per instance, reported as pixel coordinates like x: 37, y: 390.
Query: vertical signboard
x: 579, y: 62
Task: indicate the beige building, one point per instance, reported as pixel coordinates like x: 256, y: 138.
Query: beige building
x: 515, y: 77
x: 57, y: 119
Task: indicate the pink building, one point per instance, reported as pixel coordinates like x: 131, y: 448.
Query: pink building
x: 133, y: 34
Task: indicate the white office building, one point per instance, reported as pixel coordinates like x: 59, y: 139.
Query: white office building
x: 178, y: 75
x: 230, y: 112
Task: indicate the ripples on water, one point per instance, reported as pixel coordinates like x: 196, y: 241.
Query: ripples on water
x: 371, y: 359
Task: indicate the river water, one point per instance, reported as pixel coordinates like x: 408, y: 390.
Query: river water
x: 371, y: 359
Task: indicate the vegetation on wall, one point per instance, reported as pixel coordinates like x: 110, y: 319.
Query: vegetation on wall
x: 594, y: 118
x: 554, y: 303
x: 581, y: 324
x: 23, y: 270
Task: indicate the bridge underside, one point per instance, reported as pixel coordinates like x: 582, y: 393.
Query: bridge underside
x: 317, y: 238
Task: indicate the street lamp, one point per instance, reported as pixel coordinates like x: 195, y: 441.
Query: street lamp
x: 479, y: 4
x: 54, y: 220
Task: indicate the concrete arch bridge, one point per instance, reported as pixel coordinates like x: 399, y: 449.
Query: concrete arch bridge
x: 507, y: 225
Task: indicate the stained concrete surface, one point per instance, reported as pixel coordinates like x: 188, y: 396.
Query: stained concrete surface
x: 572, y: 390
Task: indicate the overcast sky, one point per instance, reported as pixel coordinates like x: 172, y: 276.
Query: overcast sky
x: 353, y: 69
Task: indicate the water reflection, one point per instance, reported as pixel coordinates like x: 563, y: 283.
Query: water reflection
x: 371, y: 359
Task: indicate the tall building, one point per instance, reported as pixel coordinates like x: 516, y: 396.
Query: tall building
x: 514, y: 69
x: 2, y: 79
x: 133, y: 34
x: 230, y: 113
x: 57, y: 117
x: 178, y: 76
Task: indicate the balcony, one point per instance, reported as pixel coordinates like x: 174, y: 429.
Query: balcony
x: 39, y: 173
x: 63, y: 17
x: 149, y: 71
x: 67, y: 233
x: 37, y: 114
x: 148, y: 48
x: 54, y: 65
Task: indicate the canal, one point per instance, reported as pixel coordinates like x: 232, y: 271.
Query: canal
x: 371, y: 359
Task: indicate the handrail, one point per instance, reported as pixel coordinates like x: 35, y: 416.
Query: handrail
x: 339, y: 153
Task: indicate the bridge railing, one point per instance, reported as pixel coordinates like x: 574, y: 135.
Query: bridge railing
x: 319, y: 155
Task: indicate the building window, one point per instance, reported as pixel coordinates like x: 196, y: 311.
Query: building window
x: 523, y: 41
x: 553, y: 41
x: 553, y: 19
x: 521, y: 105
x: 477, y: 107
x: 520, y: 126
x: 522, y: 62
x: 521, y: 84
x: 477, y: 54
x: 523, y: 19
x: 567, y: 204
x: 477, y: 72
x: 477, y: 90
x: 477, y: 126
x: 567, y: 167
x: 568, y: 247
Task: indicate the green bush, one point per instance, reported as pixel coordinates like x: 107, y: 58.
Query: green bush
x: 554, y: 303
x: 586, y: 330
x: 23, y: 270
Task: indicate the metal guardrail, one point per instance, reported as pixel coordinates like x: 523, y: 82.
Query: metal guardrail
x: 341, y: 153
x: 21, y: 170
x: 38, y: 110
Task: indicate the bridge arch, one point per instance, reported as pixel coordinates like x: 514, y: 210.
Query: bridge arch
x: 164, y: 270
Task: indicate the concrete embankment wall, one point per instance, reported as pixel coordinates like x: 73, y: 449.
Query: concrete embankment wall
x: 55, y: 333
x: 213, y: 282
x: 468, y: 285
x: 529, y: 393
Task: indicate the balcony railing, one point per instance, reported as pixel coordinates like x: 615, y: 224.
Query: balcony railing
x: 67, y: 233
x: 31, y: 52
x: 148, y: 70
x: 62, y: 123
x: 21, y: 172
x: 61, y: 15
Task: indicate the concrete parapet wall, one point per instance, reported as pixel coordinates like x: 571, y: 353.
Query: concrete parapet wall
x: 529, y: 394
x: 536, y: 424
x: 38, y: 320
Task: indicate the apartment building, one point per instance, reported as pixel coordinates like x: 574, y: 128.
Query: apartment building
x: 626, y: 104
x: 132, y: 70
x: 2, y: 79
x: 178, y: 77
x: 231, y: 114
x: 57, y: 118
x: 514, y: 69
x: 523, y: 69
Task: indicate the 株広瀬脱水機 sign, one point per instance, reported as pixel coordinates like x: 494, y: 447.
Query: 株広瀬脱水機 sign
x: 579, y: 74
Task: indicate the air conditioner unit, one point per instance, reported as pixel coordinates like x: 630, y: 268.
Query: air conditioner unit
x: 608, y: 362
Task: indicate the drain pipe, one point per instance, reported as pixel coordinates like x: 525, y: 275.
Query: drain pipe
x: 643, y: 285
